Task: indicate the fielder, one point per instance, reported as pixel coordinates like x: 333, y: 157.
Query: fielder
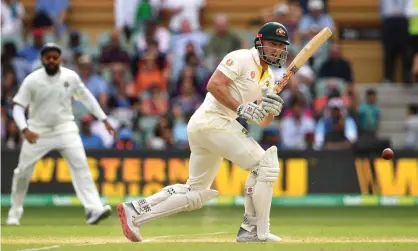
x: 243, y: 77
x: 48, y: 93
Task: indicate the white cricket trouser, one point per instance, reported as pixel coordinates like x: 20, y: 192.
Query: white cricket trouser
x: 71, y: 149
x: 212, y: 139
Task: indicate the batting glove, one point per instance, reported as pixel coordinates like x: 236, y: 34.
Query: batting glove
x: 251, y: 112
x: 271, y: 102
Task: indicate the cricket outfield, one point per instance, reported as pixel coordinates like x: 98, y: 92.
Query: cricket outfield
x: 214, y: 228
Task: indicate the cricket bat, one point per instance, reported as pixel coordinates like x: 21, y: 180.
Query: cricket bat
x: 302, y: 57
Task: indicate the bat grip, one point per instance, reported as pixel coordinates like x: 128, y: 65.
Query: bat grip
x: 283, y: 82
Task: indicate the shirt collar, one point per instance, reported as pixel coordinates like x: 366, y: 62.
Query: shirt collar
x: 256, y: 56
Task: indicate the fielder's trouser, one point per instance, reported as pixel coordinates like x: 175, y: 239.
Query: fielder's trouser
x: 71, y: 149
x: 211, y: 140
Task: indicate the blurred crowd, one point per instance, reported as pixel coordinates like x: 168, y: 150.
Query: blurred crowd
x: 150, y: 78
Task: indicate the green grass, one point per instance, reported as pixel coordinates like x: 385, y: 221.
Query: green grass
x: 310, y: 229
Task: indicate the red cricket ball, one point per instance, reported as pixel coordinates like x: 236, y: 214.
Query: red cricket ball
x: 387, y: 154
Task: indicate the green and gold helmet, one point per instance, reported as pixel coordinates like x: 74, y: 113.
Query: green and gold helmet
x: 273, y: 31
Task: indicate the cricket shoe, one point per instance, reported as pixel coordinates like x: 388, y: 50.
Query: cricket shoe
x: 94, y: 217
x: 127, y: 213
x: 247, y: 236
x: 13, y: 218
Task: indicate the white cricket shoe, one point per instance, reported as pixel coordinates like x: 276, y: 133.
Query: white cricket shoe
x: 14, y: 216
x: 126, y: 213
x: 246, y: 236
x: 13, y: 222
x: 94, y: 217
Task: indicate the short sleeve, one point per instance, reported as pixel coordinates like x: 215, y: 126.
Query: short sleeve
x: 230, y: 66
x: 23, y: 96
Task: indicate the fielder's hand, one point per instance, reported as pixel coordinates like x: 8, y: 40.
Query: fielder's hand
x: 251, y: 112
x: 30, y: 136
x: 271, y: 102
x: 110, y: 128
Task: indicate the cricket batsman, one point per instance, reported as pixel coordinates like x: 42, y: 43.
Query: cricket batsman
x: 48, y: 93
x: 243, y: 77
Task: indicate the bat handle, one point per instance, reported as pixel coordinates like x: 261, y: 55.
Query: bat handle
x: 283, y: 82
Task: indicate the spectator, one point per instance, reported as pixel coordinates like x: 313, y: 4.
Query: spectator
x: 352, y: 101
x: 414, y: 71
x: 287, y: 13
x: 411, y: 126
x: 125, y: 12
x: 31, y: 53
x: 162, y: 138
x: 156, y: 103
x: 270, y: 137
x: 335, y: 130
x: 52, y: 14
x: 349, y: 95
x: 302, y: 80
x: 113, y: 53
x: 12, y: 13
x: 89, y: 139
x: 188, y: 75
x: 121, y: 97
x: 188, y: 100
x: 370, y: 113
x: 180, y: 127
x: 73, y: 48
x: 412, y: 14
x: 305, y: 7
x: 93, y: 81
x: 296, y: 127
x: 336, y: 66
x: 222, y: 41
x: 294, y: 88
x: 9, y: 89
x: 125, y: 140
x: 394, y: 37
x: 149, y: 74
x: 311, y: 24
x: 194, y: 62
x: 154, y: 31
x: 187, y: 35
x: 123, y: 104
x: 9, y: 59
x: 181, y: 9
x: 4, y: 118
x: 12, y: 139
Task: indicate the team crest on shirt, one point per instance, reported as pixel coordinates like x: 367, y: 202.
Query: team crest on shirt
x: 229, y: 62
x: 268, y: 83
x: 252, y: 74
x: 280, y: 32
x: 66, y: 84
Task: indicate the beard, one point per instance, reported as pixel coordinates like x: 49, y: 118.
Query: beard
x: 51, y: 69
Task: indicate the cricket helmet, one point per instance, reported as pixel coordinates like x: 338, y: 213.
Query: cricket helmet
x: 273, y: 31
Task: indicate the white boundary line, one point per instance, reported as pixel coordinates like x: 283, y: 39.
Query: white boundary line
x: 180, y: 235
x: 152, y: 239
x: 42, y: 248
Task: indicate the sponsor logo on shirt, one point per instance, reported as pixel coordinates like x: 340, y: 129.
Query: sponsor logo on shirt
x: 229, y: 62
x: 252, y: 74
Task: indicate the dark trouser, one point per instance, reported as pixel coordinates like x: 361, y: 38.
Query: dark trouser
x: 413, y: 44
x: 395, y: 43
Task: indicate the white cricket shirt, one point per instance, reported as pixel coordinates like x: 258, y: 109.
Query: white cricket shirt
x: 244, y: 69
x: 50, y: 100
